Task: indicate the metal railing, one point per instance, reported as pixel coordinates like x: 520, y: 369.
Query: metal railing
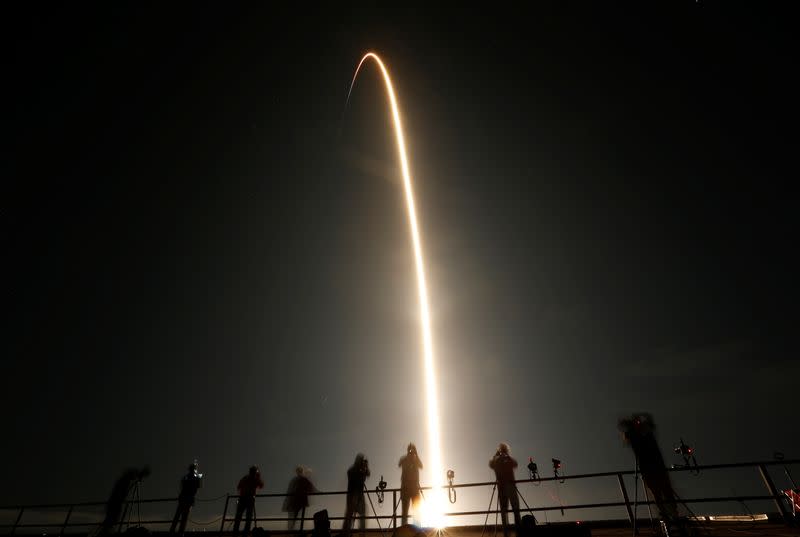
x: 773, y: 494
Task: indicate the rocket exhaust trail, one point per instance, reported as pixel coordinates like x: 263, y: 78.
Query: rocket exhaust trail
x: 434, y: 504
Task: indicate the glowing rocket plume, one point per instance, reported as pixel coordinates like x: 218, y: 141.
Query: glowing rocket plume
x: 434, y: 504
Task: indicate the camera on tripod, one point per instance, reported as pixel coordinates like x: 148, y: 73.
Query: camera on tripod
x: 683, y: 449
x: 556, y: 469
x: 451, y: 491
x: 533, y: 469
x: 379, y: 489
x: 689, y: 460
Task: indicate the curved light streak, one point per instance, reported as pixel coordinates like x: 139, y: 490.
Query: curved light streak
x: 433, y: 510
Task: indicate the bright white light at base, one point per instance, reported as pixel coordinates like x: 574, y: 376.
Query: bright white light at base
x: 432, y: 508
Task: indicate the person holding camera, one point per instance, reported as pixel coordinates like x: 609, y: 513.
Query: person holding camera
x: 248, y: 486
x: 504, y: 465
x: 410, y: 465
x: 356, y: 478
x: 638, y: 432
x: 190, y: 484
x: 126, y: 483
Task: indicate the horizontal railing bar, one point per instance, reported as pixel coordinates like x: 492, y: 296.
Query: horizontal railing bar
x: 389, y: 490
x: 450, y: 514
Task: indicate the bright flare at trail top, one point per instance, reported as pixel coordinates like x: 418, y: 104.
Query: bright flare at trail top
x: 433, y: 508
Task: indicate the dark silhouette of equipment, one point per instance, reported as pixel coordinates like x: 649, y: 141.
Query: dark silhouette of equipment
x: 451, y: 491
x: 322, y: 524
x: 527, y: 526
x: 557, y: 469
x: 792, y: 494
x: 558, y: 474
x: 379, y: 490
x: 689, y: 461
x: 374, y: 512
x: 533, y: 469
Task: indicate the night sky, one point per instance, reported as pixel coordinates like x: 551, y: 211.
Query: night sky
x: 206, y: 258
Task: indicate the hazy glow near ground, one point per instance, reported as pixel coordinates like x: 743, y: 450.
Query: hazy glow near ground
x: 432, y: 508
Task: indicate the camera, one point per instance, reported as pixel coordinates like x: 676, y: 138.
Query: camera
x: 451, y: 491
x: 533, y: 468
x: 379, y: 489
x: 683, y: 449
x: 687, y: 453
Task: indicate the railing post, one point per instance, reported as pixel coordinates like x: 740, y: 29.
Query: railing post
x: 19, y: 517
x: 302, y: 518
x: 224, y: 514
x: 66, y: 521
x: 775, y: 496
x: 627, y: 500
x: 394, y: 509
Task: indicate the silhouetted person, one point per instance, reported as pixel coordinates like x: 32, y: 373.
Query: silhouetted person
x: 297, y: 495
x: 119, y: 493
x: 638, y: 432
x: 503, y: 465
x: 356, y: 477
x: 190, y: 483
x: 410, y: 466
x: 247, y: 487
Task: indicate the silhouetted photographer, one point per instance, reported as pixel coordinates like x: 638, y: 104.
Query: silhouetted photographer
x: 638, y: 432
x: 297, y: 495
x: 190, y: 484
x: 410, y: 465
x: 504, y: 465
x: 123, y: 487
x: 248, y: 487
x: 356, y: 481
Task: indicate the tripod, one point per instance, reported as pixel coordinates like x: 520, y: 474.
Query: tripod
x: 488, y: 510
x: 498, y: 508
x: 636, y: 497
x: 377, y: 520
x: 523, y: 501
x: 135, y: 501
